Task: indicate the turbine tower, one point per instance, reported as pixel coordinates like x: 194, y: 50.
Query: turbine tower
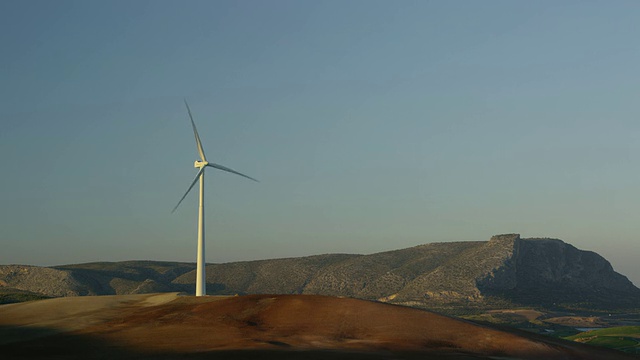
x: 201, y: 283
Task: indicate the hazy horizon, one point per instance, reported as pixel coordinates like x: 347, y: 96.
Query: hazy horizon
x: 371, y: 126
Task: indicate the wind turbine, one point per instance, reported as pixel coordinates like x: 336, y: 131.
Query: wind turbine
x: 201, y: 284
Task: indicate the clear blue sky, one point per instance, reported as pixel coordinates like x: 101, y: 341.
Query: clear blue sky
x: 372, y: 125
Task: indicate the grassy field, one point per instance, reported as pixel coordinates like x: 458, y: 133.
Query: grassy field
x: 563, y: 325
x: 623, y: 338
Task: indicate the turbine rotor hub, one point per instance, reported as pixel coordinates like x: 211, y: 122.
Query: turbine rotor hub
x: 200, y: 164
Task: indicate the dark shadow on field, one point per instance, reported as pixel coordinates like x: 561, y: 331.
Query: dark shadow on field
x: 20, y: 342
x: 13, y: 334
x: 324, y: 355
x: 23, y: 342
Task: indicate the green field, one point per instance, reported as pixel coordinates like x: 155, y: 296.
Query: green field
x: 623, y: 338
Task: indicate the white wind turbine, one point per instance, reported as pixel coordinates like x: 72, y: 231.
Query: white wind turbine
x: 201, y: 164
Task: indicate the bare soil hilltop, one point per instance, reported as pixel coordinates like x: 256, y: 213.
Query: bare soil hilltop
x: 504, y: 272
x: 169, y: 326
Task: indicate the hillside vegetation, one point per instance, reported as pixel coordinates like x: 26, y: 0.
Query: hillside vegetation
x: 505, y: 271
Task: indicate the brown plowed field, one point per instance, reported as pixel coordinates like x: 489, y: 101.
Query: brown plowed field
x: 169, y: 326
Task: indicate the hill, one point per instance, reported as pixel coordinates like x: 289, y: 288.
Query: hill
x: 505, y: 271
x: 168, y: 326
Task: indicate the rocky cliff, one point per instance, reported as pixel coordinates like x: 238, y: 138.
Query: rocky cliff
x: 550, y: 271
x: 505, y: 269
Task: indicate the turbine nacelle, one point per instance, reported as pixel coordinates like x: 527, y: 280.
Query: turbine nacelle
x: 199, y: 164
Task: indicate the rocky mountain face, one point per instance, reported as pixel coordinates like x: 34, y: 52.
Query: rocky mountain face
x: 549, y: 271
x: 505, y: 269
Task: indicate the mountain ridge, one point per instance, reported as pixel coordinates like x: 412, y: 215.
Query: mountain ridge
x: 505, y: 269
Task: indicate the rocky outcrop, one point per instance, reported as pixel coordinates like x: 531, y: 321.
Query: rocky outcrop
x: 550, y: 271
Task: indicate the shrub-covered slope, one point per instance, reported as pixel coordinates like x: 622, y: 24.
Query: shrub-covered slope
x: 505, y: 269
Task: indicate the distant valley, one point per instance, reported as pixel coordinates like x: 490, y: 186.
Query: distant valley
x: 506, y: 271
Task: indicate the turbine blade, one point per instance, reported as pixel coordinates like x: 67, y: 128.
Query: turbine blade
x: 189, y: 189
x: 224, y: 168
x: 195, y: 132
